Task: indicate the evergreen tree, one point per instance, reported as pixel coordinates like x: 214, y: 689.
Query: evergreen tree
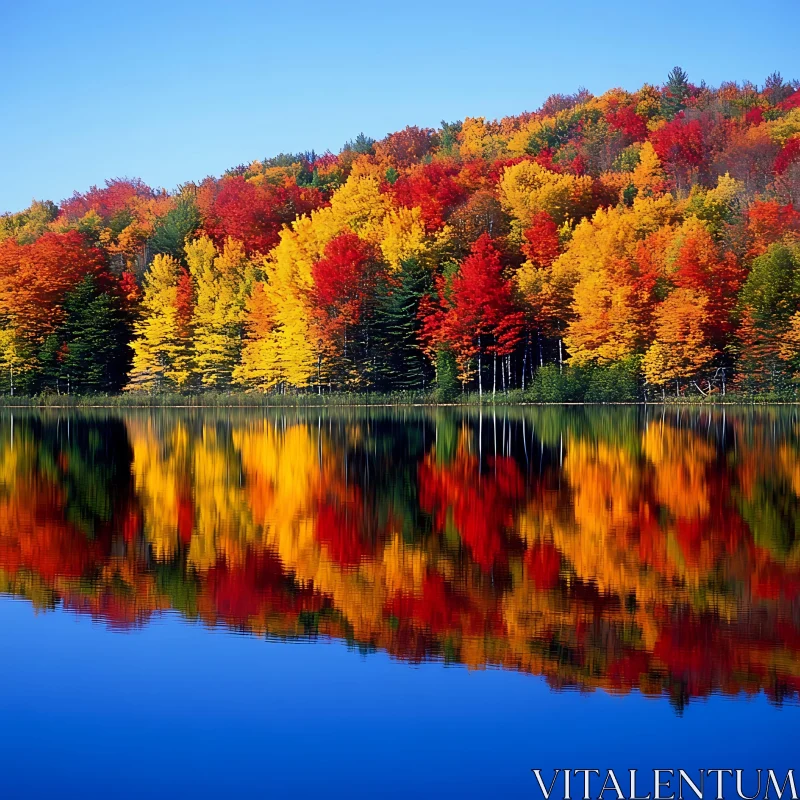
x: 171, y: 231
x: 769, y: 298
x: 400, y: 363
x: 676, y: 91
x: 95, y: 355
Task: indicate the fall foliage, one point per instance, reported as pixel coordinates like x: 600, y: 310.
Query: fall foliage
x: 464, y: 257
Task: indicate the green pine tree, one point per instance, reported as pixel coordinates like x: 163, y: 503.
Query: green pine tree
x: 675, y: 94
x: 94, y: 354
x: 400, y: 364
x: 172, y: 229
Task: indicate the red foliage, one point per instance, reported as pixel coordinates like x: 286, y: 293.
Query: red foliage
x: 768, y: 222
x: 754, y: 116
x: 35, y: 277
x: 478, y: 303
x: 255, y: 214
x: 542, y: 245
x: 792, y: 101
x: 184, y: 301
x: 789, y: 155
x: 434, y: 189
x: 343, y: 278
x: 544, y: 158
x: 406, y: 147
x: 129, y: 288
x: 701, y: 265
x: 629, y: 122
x: 113, y: 198
x: 681, y: 144
x: 498, y: 166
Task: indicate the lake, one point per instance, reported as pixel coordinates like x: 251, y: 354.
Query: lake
x: 377, y: 602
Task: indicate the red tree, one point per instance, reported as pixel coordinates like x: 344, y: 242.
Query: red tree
x: 434, y: 189
x: 542, y: 245
x: 255, y: 214
x: 477, y: 312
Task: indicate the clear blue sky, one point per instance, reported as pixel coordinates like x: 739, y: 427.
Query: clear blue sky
x: 172, y: 91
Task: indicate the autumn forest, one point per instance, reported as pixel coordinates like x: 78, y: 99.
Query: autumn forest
x: 627, y: 246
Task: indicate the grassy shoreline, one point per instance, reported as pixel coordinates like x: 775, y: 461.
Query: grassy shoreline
x: 398, y: 399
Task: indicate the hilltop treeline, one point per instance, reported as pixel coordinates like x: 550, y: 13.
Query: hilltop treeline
x: 640, y: 242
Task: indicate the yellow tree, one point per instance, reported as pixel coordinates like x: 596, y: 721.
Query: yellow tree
x: 790, y: 345
x: 649, y: 177
x: 222, y: 283
x: 596, y: 287
x: 160, y: 352
x: 607, y: 325
x: 13, y: 362
x: 527, y: 188
x: 680, y: 349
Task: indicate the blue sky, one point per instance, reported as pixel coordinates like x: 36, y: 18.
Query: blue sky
x: 173, y: 91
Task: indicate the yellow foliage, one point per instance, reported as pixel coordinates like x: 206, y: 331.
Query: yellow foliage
x: 403, y: 236
x: 648, y: 175
x: 527, y: 188
x: 160, y: 353
x: 477, y: 139
x: 222, y: 282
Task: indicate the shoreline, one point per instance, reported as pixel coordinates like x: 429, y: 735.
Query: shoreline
x: 237, y: 402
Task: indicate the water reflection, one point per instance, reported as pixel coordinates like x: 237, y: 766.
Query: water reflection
x: 612, y: 548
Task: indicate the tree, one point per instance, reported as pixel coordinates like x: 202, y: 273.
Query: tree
x: 161, y: 354
x: 28, y: 225
x: 34, y: 279
x: 649, y: 178
x: 254, y: 214
x: 528, y: 188
x: 476, y: 314
x: 768, y: 222
x: 221, y: 283
x: 344, y: 287
x: 682, y: 147
x: 768, y: 299
x: 542, y: 244
x: 173, y: 229
x: 94, y: 352
x: 400, y: 362
x: 675, y: 93
x: 681, y: 349
x: 433, y: 189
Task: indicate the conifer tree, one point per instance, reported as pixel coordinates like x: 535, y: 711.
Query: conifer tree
x: 676, y: 91
x: 400, y: 361
x: 96, y: 353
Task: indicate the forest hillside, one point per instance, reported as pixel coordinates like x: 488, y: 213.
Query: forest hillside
x: 633, y: 244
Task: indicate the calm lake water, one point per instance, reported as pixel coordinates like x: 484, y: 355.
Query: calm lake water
x: 393, y: 603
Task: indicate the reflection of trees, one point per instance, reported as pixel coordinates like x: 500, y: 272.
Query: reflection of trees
x: 611, y: 549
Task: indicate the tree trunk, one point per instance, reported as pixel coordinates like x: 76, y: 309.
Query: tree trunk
x: 480, y: 377
x: 525, y: 360
x: 494, y: 377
